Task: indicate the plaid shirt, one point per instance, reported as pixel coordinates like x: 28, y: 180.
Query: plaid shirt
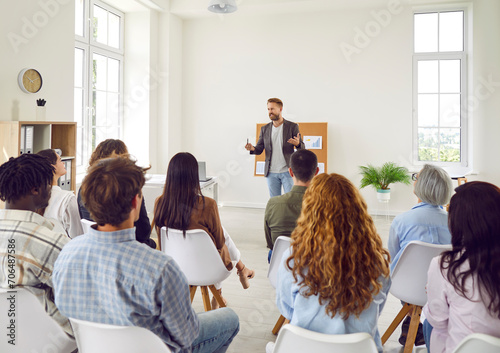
x: 110, y: 278
x: 30, y: 239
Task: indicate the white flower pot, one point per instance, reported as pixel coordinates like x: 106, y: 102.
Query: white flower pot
x: 384, y: 195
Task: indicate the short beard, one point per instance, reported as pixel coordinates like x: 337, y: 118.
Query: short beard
x: 274, y: 117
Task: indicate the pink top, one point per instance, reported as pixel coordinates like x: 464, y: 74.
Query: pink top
x: 453, y: 316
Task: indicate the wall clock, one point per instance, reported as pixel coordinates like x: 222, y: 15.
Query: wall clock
x: 30, y: 80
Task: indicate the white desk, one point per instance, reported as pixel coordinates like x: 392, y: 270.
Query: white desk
x: 155, y: 183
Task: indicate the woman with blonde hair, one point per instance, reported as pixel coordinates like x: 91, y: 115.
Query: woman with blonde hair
x: 335, y: 276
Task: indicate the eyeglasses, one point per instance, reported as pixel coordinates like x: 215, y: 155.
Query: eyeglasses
x: 414, y: 176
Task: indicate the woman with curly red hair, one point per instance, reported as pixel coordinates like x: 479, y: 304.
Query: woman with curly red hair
x: 335, y: 277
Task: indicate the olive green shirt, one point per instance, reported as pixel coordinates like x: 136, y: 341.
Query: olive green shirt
x: 282, y: 213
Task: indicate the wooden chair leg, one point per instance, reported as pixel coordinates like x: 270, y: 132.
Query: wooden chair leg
x: 279, y: 323
x: 395, y: 323
x: 217, y: 296
x: 192, y: 292
x: 206, y: 298
x: 412, y: 331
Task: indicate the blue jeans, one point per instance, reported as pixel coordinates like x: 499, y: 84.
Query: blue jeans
x: 275, y: 180
x: 427, y: 329
x: 217, y: 330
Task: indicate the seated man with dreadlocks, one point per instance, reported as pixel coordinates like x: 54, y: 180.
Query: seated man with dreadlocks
x: 28, y: 244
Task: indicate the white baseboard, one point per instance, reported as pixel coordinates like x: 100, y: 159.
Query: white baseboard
x: 242, y: 204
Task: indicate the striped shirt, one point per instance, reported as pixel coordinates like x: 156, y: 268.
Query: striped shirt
x: 30, y: 239
x: 110, y: 278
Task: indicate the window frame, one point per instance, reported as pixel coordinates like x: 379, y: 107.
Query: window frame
x: 90, y: 46
x: 464, y: 87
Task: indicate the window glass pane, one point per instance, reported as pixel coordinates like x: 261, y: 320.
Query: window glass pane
x: 451, y: 31
x: 79, y: 17
x: 114, y: 30
x: 100, y: 105
x: 450, y: 145
x: 113, y: 109
x: 79, y: 107
x: 113, y: 75
x: 427, y: 144
x: 449, y: 76
x: 449, y: 114
x: 427, y: 76
x: 426, y: 32
x: 99, y: 76
x: 428, y: 110
x: 79, y: 64
x: 100, y: 25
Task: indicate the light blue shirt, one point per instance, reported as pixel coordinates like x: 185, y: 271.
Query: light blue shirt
x: 306, y: 312
x: 424, y: 222
x: 110, y: 278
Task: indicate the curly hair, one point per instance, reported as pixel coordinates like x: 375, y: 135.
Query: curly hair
x: 475, y: 228
x: 336, y: 251
x: 18, y: 176
x: 106, y: 148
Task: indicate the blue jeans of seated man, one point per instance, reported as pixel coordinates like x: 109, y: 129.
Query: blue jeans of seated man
x: 275, y: 180
x: 217, y: 330
x: 427, y: 329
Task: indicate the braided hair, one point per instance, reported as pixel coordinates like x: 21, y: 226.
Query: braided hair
x: 20, y: 175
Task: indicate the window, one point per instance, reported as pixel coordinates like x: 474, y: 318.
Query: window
x: 98, y: 76
x: 439, y: 88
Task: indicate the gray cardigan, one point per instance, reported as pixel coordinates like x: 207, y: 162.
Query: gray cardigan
x: 289, y: 130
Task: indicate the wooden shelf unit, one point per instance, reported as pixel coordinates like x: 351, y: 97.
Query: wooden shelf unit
x: 46, y: 134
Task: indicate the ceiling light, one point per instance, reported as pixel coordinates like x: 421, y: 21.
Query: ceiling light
x: 222, y: 6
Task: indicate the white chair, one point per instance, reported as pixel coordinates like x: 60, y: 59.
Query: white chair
x: 478, y: 342
x: 409, y: 279
x: 281, y: 244
x: 86, y: 224
x: 33, y: 329
x: 199, y: 259
x: 92, y: 337
x: 294, y: 339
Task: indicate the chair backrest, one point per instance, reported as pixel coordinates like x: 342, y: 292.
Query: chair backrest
x: 294, y: 339
x: 86, y: 225
x: 280, y: 245
x: 478, y: 342
x: 195, y: 254
x: 32, y: 329
x: 409, y: 277
x: 92, y: 337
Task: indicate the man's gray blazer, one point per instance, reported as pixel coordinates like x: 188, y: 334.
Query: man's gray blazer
x: 289, y: 130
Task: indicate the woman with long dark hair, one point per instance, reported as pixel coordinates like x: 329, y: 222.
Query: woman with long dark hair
x: 183, y: 207
x: 463, y: 289
x: 335, y: 276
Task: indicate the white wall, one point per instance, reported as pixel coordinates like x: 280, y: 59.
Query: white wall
x: 232, y: 64
x: 43, y: 37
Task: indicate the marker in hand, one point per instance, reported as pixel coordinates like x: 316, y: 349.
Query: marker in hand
x: 249, y: 146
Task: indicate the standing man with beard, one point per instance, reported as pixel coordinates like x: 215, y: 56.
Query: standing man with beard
x: 284, y: 135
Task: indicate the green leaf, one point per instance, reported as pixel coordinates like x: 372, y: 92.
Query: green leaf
x: 381, y: 178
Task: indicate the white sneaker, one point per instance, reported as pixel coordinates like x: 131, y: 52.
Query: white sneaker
x: 270, y: 347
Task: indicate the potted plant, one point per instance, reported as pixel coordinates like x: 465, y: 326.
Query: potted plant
x: 381, y: 178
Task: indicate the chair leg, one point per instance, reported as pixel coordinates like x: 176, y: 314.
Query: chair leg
x: 192, y: 292
x: 395, y: 323
x: 217, y: 296
x: 279, y: 324
x: 412, y: 331
x: 206, y: 298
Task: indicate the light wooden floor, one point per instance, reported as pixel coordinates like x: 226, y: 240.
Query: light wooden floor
x: 256, y: 306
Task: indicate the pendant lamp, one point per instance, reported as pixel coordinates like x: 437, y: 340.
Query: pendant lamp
x: 222, y: 6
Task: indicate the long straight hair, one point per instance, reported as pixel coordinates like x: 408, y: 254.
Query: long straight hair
x: 182, y: 188
x: 474, y: 224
